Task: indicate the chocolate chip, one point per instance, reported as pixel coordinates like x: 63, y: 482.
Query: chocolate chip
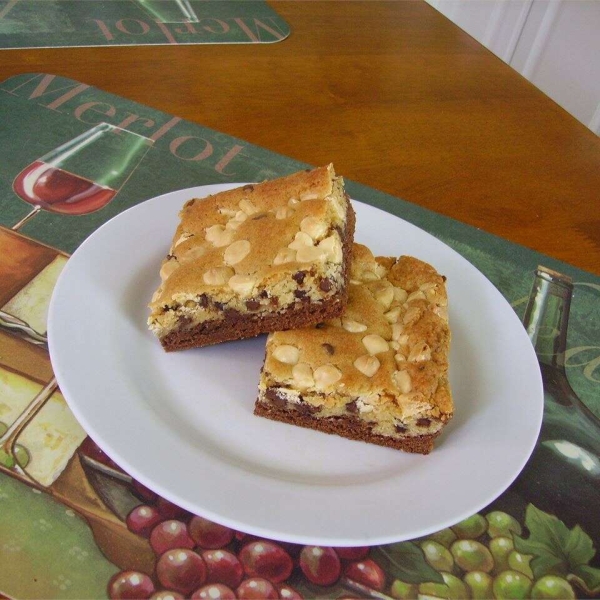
x: 275, y: 398
x: 252, y: 304
x: 171, y: 256
x: 219, y: 305
x: 329, y: 349
x: 325, y: 285
x: 320, y: 326
x: 305, y: 409
x: 248, y: 188
x: 352, y: 407
x: 203, y: 300
x: 264, y: 294
x: 299, y: 276
x: 300, y: 294
x: 423, y: 422
x: 400, y: 429
x: 183, y: 321
x: 275, y: 301
x: 444, y: 278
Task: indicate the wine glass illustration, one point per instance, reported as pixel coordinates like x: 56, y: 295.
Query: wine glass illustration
x: 78, y: 177
x: 170, y: 11
x: 82, y: 175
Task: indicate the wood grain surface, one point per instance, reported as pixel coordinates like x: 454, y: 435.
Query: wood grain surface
x: 396, y: 96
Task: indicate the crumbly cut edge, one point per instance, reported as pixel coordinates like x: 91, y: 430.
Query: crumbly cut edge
x: 348, y: 427
x: 241, y: 326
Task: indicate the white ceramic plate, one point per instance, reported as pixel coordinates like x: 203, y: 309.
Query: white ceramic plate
x: 182, y: 423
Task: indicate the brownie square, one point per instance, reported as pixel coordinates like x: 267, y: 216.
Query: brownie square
x: 377, y: 374
x: 259, y: 258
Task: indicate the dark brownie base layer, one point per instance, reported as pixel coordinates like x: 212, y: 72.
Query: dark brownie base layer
x: 238, y: 326
x: 348, y: 427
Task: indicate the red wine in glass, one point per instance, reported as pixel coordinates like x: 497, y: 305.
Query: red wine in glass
x: 82, y: 175
x: 59, y: 191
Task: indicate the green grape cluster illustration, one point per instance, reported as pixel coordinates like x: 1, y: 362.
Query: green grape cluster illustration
x: 486, y: 557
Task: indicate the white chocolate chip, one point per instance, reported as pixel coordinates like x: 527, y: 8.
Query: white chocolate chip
x: 240, y: 216
x: 364, y: 407
x: 367, y: 365
x: 352, y: 326
x: 217, y: 276
x: 310, y: 254
x: 394, y: 345
x: 397, y: 329
x: 242, y: 284
x: 309, y: 196
x: 420, y: 353
x: 236, y: 252
x: 403, y: 381
x: 303, y: 375
x: 287, y: 354
x: 333, y: 248
x: 293, y: 201
x: 301, y: 240
x: 314, y: 227
x: 412, y: 314
x: 232, y: 224
x: 247, y: 206
x: 375, y: 344
x: 193, y: 253
x: 399, y: 357
x: 182, y: 238
x: 283, y: 212
x: 285, y: 255
x: 442, y: 312
x: 227, y: 212
x: 403, y: 339
x: 392, y: 316
x: 219, y: 236
x: 418, y: 295
x: 385, y: 297
x: 326, y: 375
x: 168, y: 267
x: 369, y: 276
x: 400, y: 295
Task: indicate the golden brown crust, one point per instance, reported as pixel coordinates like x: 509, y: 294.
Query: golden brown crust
x: 237, y: 326
x: 385, y: 360
x: 241, y: 250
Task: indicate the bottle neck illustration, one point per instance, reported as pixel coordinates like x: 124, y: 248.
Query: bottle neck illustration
x: 547, y: 316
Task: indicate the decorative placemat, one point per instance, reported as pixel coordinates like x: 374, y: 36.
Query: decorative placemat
x: 70, y: 519
x: 69, y: 23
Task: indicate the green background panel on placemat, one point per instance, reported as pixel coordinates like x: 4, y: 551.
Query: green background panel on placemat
x: 67, y: 23
x: 44, y: 112
x: 46, y: 549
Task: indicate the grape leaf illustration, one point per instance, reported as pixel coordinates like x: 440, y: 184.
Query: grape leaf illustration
x: 405, y: 561
x: 556, y: 549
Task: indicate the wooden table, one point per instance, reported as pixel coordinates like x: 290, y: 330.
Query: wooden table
x: 396, y: 96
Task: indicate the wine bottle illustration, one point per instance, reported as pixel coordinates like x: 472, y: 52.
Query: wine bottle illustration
x: 563, y: 473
